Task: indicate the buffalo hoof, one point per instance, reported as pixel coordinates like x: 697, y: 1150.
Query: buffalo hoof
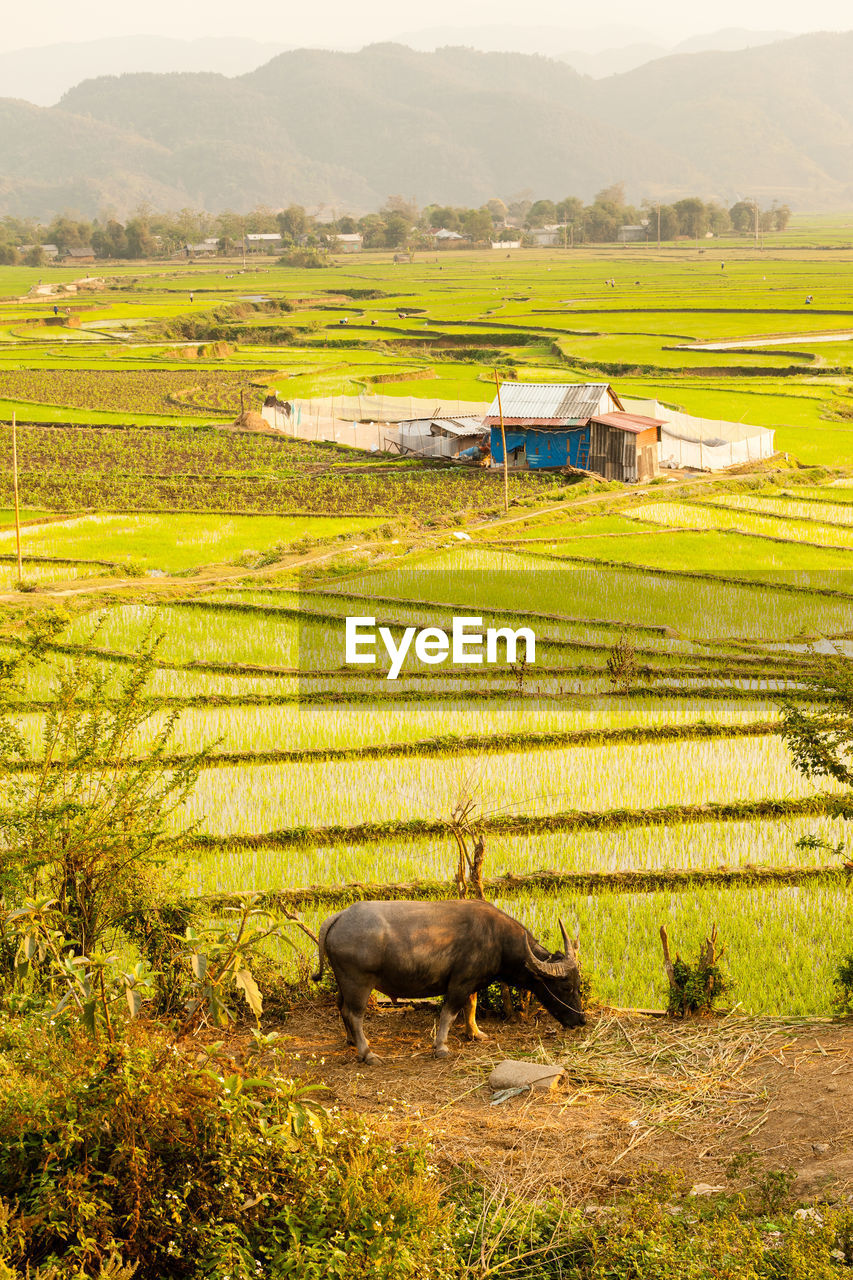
x: 371, y: 1059
x: 442, y: 1052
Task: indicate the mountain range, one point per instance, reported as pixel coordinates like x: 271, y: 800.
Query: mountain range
x: 42, y: 74
x: 346, y: 129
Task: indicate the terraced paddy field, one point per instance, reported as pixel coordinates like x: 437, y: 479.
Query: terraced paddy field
x: 168, y: 344
x: 622, y: 798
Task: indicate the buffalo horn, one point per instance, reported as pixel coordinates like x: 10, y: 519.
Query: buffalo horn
x: 570, y: 948
x: 548, y: 968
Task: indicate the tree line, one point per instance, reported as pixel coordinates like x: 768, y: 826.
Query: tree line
x: 400, y: 224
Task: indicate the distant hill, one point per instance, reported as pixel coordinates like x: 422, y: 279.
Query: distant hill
x: 625, y: 57
x: 348, y: 129
x: 41, y: 75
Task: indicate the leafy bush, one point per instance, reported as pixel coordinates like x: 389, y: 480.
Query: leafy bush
x: 695, y: 988
x: 843, y: 983
x: 139, y: 1155
x: 657, y: 1233
x: 304, y: 258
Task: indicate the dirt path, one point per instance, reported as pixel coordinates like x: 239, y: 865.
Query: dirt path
x: 639, y: 1091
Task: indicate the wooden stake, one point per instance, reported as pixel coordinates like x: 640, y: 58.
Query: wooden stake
x: 503, y: 439
x: 667, y: 962
x: 15, y: 489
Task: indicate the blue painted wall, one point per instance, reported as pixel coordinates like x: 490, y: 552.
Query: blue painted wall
x: 551, y: 448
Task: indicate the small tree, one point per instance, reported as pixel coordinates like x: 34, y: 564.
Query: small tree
x: 819, y: 735
x: 85, y: 819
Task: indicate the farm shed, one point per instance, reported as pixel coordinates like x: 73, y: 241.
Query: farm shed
x: 440, y: 437
x: 263, y: 242
x: 624, y: 446
x: 205, y: 248
x: 582, y: 424
x: 349, y: 242
x: 633, y: 234
x: 83, y: 253
x: 553, y: 234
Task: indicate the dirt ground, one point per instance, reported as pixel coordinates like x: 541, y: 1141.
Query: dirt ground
x: 638, y: 1091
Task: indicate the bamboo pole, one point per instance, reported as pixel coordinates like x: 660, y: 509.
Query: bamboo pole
x: 503, y: 440
x: 15, y: 490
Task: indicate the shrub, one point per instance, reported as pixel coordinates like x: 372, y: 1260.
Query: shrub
x: 695, y: 988
x: 185, y: 1171
x: 843, y: 983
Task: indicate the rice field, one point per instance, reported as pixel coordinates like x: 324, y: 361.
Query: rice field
x: 256, y: 666
x: 692, y: 606
x: 739, y: 515
x: 789, y: 509
x: 174, y: 543
x: 231, y: 800
x: 658, y: 847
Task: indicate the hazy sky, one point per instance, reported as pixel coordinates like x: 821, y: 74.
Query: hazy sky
x: 346, y: 23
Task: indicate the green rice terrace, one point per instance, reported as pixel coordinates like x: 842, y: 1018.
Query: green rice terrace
x: 664, y: 794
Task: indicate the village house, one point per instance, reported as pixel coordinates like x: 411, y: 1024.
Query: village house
x: 545, y: 237
x: 444, y: 239
x: 263, y: 242
x: 583, y: 425
x: 204, y: 249
x: 78, y: 255
x: 50, y: 251
x: 633, y: 235
x: 349, y: 242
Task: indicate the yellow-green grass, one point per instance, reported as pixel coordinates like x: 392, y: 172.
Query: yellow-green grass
x: 736, y: 514
x: 41, y: 575
x: 7, y: 514
x: 479, y: 577
x: 703, y: 846
x: 339, y: 726
x: 285, y: 641
x: 173, y: 543
x: 240, y: 799
x: 783, y: 945
x: 726, y: 553
x: 434, y: 613
x: 788, y: 508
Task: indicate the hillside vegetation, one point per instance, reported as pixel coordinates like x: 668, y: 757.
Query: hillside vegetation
x: 454, y: 125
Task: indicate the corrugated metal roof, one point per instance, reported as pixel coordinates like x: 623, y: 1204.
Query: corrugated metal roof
x: 633, y: 422
x: 552, y: 401
x: 460, y: 426
x: 457, y: 424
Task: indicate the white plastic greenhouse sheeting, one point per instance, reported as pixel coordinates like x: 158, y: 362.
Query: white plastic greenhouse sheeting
x: 365, y: 422
x: 705, y: 444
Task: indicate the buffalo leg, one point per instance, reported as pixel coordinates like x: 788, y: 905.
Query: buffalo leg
x: 454, y: 1003
x: 354, y: 1000
x: 340, y: 1003
x: 473, y: 1031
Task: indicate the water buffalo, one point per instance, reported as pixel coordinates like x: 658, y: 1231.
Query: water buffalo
x: 450, y: 949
